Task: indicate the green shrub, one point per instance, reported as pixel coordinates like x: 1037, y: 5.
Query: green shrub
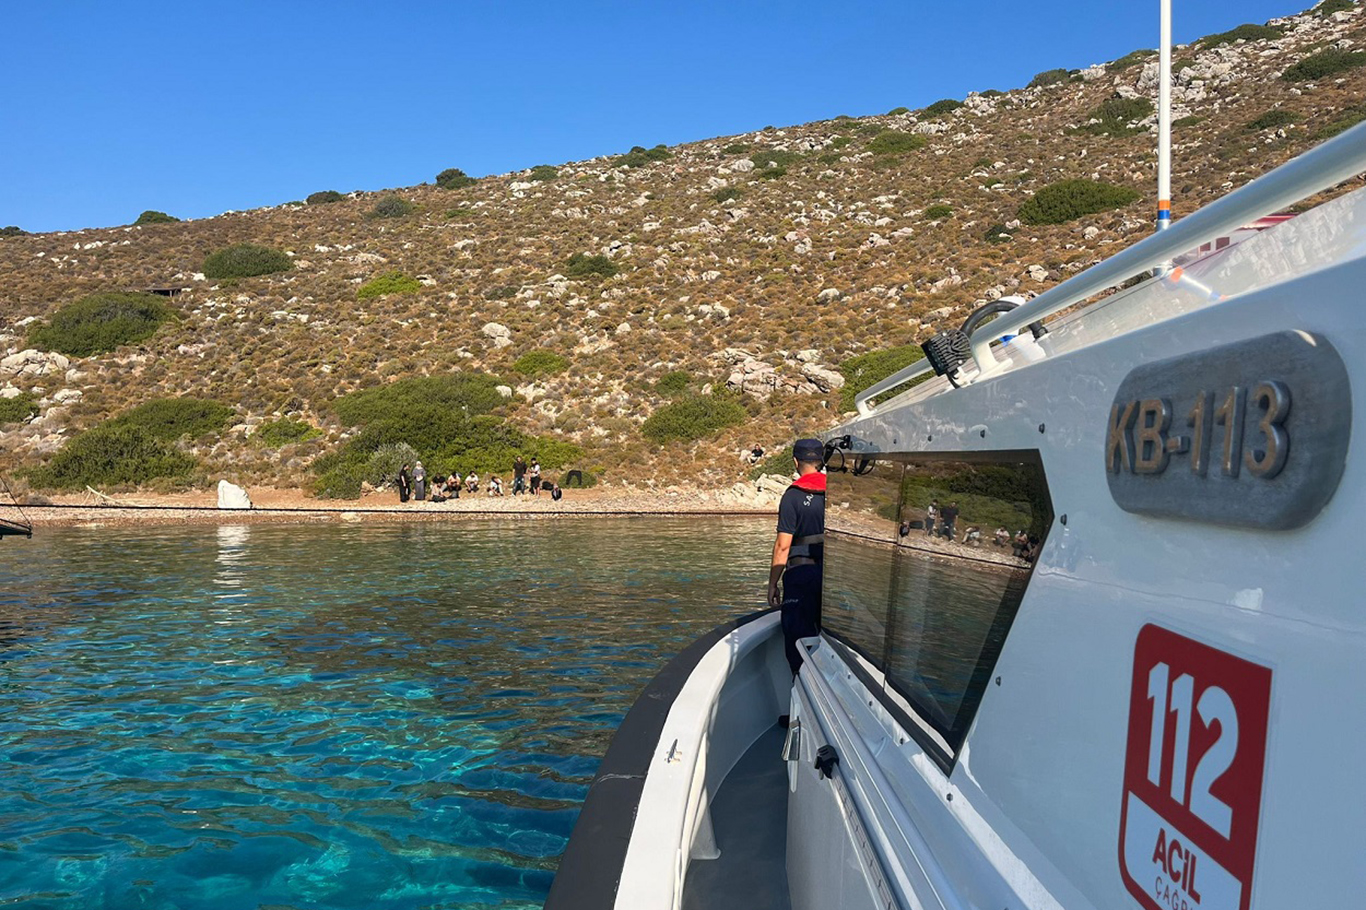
x: 459, y: 213
x: 324, y: 197
x: 771, y: 158
x: 1325, y: 63
x: 12, y: 230
x: 582, y: 265
x: 639, y: 156
x: 1188, y: 120
x: 169, y: 419
x: 1241, y: 33
x: 151, y: 217
x: 840, y: 142
x: 1049, y: 77
x: 540, y: 363
x: 112, y: 456
x: 998, y: 233
x: 1329, y: 7
x: 864, y: 370
x: 771, y: 173
x: 893, y: 142
x: 446, y: 421
x: 735, y: 148
x: 898, y: 110
x: 1132, y: 59
x: 246, y: 260
x: 936, y: 212
x: 1276, y: 117
x: 544, y: 173
x: 100, y: 323
x: 779, y: 463
x: 459, y: 393
x: 941, y: 107
x: 992, y: 93
x: 275, y: 433
x: 392, y: 207
x: 1113, y: 116
x: 1068, y: 199
x: 725, y: 194
x: 673, y: 383
x: 501, y: 292
x: 1343, y: 121
x: 452, y: 178
x: 19, y: 408
x: 388, y: 283
x: 693, y: 417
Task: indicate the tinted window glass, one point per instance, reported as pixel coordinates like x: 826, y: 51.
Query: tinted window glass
x: 861, y: 511
x: 927, y: 590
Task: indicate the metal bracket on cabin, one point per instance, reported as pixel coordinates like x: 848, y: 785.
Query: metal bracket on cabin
x: 792, y: 746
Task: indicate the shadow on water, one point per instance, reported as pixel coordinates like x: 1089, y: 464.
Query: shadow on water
x: 331, y: 716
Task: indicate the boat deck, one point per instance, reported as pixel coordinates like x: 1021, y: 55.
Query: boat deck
x: 749, y: 816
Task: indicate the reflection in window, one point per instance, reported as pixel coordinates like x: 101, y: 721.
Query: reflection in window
x: 928, y: 594
x: 861, y: 528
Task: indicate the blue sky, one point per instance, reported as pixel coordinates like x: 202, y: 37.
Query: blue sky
x: 194, y: 108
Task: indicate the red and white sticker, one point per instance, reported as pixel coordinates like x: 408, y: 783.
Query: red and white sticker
x: 1192, y: 774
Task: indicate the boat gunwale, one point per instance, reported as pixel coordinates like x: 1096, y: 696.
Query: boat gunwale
x: 591, y: 866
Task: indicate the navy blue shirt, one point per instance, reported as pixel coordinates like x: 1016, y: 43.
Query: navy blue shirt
x: 801, y: 513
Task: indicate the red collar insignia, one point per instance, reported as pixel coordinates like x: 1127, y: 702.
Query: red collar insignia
x: 812, y: 483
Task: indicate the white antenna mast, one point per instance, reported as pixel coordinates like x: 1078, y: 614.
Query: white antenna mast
x: 1164, y: 120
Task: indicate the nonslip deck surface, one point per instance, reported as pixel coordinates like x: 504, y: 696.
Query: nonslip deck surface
x: 749, y: 815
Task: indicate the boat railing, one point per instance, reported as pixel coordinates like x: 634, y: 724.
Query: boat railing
x: 1318, y: 169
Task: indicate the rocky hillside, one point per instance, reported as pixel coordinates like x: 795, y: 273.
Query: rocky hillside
x: 760, y: 263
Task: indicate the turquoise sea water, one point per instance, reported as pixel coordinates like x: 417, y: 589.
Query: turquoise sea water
x: 381, y: 716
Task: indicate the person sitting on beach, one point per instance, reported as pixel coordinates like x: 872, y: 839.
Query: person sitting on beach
x: 556, y: 492
x: 453, y: 486
x: 1020, y: 544
x: 495, y: 487
x: 973, y: 537
x: 438, y: 490
x: 472, y: 482
x: 1002, y: 537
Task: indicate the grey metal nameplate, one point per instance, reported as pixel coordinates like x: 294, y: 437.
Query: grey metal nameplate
x: 1252, y: 434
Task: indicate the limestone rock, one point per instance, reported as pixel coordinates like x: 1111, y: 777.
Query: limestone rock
x: 231, y: 496
x: 823, y: 378
x: 1038, y: 273
x: 33, y: 363
x: 828, y: 295
x: 499, y: 334
x: 504, y: 390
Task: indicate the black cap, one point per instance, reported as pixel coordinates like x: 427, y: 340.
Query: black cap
x: 808, y: 450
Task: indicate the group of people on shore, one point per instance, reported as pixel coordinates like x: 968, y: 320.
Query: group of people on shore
x: 940, y: 522
x: 526, y: 478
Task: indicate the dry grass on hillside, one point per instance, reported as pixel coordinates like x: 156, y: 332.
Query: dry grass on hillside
x: 710, y: 251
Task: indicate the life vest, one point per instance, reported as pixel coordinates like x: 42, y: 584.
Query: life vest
x: 800, y: 553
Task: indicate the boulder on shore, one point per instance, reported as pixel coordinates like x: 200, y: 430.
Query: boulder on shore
x: 231, y: 496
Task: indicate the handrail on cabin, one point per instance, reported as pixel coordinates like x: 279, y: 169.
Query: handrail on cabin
x: 1318, y: 169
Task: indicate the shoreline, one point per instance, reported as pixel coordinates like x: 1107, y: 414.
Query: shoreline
x: 282, y: 507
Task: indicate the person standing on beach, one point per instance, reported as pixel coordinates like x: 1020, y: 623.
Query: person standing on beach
x: 950, y: 518
x: 799, y: 550
x: 404, y: 486
x: 535, y: 475
x: 420, y: 481
x: 518, y: 475
x: 930, y: 515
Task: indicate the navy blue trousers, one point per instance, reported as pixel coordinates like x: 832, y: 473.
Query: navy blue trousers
x: 801, y: 609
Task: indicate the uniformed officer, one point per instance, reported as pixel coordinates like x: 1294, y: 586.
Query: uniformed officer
x: 799, y: 549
